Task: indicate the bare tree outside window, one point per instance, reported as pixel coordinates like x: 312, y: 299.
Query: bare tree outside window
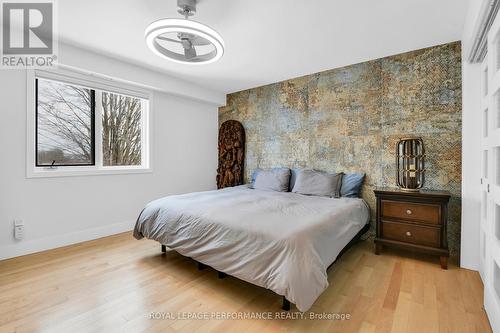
x: 66, y: 131
x: 121, y: 129
x: 64, y: 124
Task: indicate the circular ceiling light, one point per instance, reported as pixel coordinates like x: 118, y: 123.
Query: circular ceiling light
x: 184, y: 41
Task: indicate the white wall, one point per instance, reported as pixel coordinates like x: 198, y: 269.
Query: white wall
x: 60, y: 211
x: 85, y: 60
x: 471, y: 146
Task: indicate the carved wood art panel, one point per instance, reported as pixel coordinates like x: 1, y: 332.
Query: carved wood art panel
x: 231, y: 154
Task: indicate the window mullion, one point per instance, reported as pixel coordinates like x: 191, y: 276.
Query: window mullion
x: 98, y: 129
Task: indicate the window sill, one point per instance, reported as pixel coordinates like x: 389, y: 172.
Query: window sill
x: 84, y: 171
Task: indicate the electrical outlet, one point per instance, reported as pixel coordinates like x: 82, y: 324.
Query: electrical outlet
x: 18, y: 229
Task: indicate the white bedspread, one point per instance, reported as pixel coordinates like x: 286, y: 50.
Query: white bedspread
x: 277, y: 240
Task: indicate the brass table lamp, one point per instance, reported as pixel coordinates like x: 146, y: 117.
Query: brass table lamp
x: 410, y: 170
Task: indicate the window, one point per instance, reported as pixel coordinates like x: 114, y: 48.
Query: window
x: 85, y: 128
x: 121, y: 129
x: 64, y: 124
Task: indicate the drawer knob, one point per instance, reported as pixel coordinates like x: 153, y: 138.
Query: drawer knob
x: 409, y: 212
x: 408, y: 233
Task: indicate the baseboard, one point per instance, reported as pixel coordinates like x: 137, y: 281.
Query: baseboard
x: 468, y: 264
x: 492, y: 308
x: 37, y: 245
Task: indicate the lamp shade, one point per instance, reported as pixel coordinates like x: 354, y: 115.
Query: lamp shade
x: 410, y: 164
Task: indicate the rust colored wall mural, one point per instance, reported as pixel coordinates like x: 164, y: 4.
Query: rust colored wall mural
x: 231, y: 154
x: 350, y: 119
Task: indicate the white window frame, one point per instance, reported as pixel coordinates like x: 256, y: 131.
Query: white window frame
x: 93, y: 82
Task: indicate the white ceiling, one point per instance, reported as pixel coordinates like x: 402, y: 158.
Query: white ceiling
x: 267, y: 40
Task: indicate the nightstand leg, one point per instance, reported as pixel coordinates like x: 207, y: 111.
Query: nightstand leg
x: 378, y: 248
x: 444, y: 262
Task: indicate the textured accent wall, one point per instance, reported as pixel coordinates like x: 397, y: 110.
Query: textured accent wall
x: 349, y: 119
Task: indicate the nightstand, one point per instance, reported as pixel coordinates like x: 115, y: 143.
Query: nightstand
x: 413, y: 220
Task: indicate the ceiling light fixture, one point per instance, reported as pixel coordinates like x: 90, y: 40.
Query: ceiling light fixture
x: 184, y: 41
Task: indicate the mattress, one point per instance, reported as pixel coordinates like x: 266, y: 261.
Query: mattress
x: 281, y: 241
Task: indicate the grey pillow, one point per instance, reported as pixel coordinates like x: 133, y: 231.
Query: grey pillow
x: 293, y: 176
x: 276, y: 179
x: 313, y: 182
x: 351, y: 185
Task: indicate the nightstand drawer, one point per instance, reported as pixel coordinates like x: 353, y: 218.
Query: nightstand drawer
x: 427, y: 213
x: 410, y: 233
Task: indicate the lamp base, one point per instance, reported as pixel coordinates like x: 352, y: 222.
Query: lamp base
x: 409, y: 189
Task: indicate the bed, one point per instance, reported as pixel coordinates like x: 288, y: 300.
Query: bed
x: 281, y: 241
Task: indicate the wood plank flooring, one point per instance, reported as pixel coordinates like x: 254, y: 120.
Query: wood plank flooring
x: 114, y: 284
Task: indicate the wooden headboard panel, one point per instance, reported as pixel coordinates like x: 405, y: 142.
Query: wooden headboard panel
x: 231, y: 154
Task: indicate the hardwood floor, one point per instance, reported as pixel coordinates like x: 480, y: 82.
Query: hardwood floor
x: 114, y: 284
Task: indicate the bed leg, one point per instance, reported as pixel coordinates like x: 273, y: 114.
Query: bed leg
x: 286, y: 304
x: 163, y: 248
x: 221, y: 275
x: 201, y: 266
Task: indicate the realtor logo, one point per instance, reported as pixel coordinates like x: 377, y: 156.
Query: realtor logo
x: 27, y: 34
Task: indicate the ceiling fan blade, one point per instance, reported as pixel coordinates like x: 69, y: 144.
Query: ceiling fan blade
x: 169, y: 39
x: 194, y: 39
x: 200, y: 41
x: 190, y: 53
